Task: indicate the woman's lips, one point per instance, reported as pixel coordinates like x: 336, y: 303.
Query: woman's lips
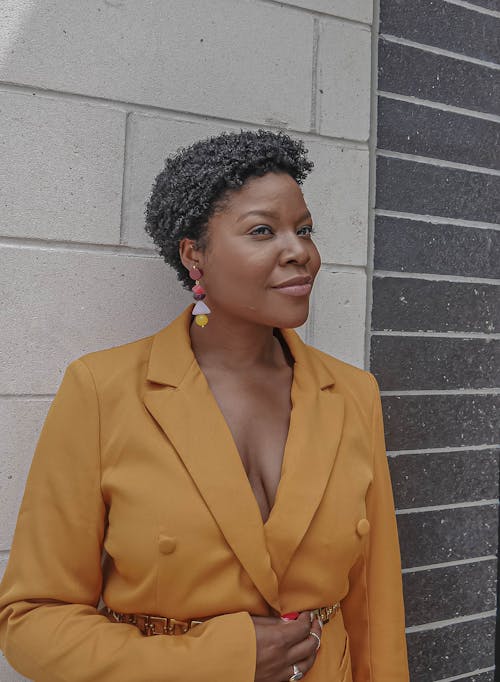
x: 295, y: 289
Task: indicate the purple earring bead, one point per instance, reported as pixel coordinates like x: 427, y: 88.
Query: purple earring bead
x: 198, y: 297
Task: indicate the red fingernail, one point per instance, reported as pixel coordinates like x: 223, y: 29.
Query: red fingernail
x: 293, y: 615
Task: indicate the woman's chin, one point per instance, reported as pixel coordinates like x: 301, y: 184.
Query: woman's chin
x: 290, y: 319
x: 285, y: 315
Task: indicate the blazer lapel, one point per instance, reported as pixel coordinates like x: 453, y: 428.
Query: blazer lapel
x: 316, y: 425
x: 179, y: 399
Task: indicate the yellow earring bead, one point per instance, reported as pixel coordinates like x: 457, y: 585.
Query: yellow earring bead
x: 201, y: 320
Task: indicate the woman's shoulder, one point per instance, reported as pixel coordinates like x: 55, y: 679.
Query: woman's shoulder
x: 120, y: 360
x: 345, y: 374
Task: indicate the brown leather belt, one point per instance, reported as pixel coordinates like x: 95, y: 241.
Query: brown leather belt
x: 160, y: 625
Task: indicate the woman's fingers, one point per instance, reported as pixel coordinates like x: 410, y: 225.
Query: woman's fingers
x: 316, y: 631
x: 303, y: 654
x: 303, y: 664
x: 317, y: 638
x: 281, y: 645
x: 297, y: 630
x: 302, y: 651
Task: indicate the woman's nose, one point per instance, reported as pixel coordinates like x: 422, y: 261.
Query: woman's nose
x: 295, y: 249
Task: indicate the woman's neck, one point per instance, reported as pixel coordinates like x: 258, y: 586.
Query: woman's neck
x: 238, y: 346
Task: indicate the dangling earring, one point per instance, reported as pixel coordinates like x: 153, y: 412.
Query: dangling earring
x: 200, y: 310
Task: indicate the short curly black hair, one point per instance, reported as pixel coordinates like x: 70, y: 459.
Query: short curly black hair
x: 196, y: 180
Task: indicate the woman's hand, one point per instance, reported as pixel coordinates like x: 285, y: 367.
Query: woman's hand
x: 281, y: 645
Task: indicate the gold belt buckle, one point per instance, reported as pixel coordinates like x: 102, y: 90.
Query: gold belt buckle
x: 161, y: 625
x: 183, y: 626
x: 325, y: 613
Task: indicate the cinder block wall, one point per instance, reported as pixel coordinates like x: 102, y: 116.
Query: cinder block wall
x: 435, y: 344
x: 93, y: 96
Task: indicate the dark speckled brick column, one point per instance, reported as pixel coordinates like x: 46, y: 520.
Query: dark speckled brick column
x: 435, y: 324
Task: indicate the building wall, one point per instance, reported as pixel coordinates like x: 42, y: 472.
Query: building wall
x: 93, y: 96
x: 435, y: 341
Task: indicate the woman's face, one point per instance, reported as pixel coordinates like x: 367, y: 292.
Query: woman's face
x: 258, y: 241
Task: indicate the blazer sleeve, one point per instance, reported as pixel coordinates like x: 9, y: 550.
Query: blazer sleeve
x: 50, y: 628
x: 373, y: 609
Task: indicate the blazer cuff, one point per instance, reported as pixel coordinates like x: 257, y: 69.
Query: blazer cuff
x: 230, y: 647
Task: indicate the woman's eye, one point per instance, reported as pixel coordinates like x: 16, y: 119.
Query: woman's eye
x: 261, y: 229
x: 265, y: 230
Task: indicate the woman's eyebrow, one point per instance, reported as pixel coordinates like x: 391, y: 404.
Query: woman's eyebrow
x: 270, y: 214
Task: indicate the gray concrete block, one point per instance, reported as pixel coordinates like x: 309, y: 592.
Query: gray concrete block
x: 338, y: 324
x: 359, y: 10
x: 344, y: 73
x: 150, y: 140
x: 61, y: 303
x: 248, y: 61
x: 22, y: 420
x: 7, y: 674
x: 336, y: 192
x: 61, y: 168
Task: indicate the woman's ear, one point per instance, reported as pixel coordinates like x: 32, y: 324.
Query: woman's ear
x: 188, y: 253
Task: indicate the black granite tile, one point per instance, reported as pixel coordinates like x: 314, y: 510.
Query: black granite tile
x: 482, y: 677
x: 447, y: 535
x: 412, y: 304
x: 450, y: 592
x: 438, y: 421
x: 421, y: 480
x: 415, y: 129
x: 451, y: 650
x: 444, y: 25
x: 420, y: 363
x: 426, y: 189
x: 437, y: 78
x: 406, y: 245
x: 488, y: 4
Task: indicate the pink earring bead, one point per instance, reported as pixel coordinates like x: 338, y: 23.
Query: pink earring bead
x: 195, y: 273
x: 198, y: 289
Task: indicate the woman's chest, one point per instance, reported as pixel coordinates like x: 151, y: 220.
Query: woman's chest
x: 257, y: 416
x: 182, y: 511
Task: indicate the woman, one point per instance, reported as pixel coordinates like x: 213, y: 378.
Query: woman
x: 235, y: 476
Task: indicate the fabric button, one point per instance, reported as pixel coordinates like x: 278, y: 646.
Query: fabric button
x: 363, y: 527
x: 166, y: 544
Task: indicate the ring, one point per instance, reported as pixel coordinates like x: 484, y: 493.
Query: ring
x: 317, y: 637
x: 297, y: 675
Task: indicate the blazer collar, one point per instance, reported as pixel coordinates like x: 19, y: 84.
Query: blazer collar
x: 179, y: 398
x: 172, y: 355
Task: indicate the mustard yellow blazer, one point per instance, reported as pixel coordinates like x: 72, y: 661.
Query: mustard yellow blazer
x: 135, y: 457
